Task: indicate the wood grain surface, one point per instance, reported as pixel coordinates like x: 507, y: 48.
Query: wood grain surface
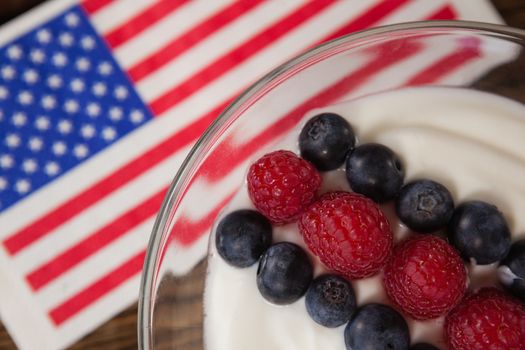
x: 121, y: 332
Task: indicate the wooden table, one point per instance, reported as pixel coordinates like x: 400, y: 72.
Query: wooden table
x: 120, y: 332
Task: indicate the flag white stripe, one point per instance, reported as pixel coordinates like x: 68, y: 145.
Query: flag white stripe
x: 475, y: 10
x: 117, y: 13
x: 21, y: 311
x: 103, y: 212
x: 237, y: 32
x: 153, y: 38
x: 96, y: 266
x: 487, y: 61
x: 97, y: 313
x: 415, y: 9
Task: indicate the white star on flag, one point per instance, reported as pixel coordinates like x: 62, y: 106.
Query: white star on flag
x: 54, y: 81
x: 6, y: 161
x: 37, y: 56
x: 12, y: 140
x: 66, y: 39
x: 19, y: 119
x: 29, y: 166
x: 80, y: 151
x: 14, y: 52
x: 77, y: 85
x: 22, y: 186
x: 48, y: 102
x: 51, y: 168
x: 3, y: 183
x: 35, y: 143
x: 42, y: 123
x: 8, y: 72
x: 87, y: 131
x: 59, y: 148
x: 64, y: 126
x: 43, y: 36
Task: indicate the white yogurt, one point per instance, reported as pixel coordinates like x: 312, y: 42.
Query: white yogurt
x: 472, y: 142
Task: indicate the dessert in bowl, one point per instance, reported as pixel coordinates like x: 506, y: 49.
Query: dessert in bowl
x: 424, y: 98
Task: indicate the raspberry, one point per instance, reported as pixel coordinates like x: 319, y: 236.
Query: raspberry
x: 282, y: 185
x: 488, y: 319
x: 348, y: 232
x: 425, y: 277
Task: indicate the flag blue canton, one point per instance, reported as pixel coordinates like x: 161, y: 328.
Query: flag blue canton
x: 63, y: 98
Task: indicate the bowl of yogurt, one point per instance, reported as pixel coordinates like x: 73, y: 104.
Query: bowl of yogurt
x: 447, y: 97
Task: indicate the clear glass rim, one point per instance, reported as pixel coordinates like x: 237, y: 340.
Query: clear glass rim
x: 148, y: 273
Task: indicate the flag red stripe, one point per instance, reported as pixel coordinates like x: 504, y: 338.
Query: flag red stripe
x: 371, y: 16
x: 193, y: 36
x: 95, y: 291
x: 445, y: 66
x: 184, y: 230
x: 95, y: 241
x: 236, y: 56
x: 142, y: 21
x: 446, y: 12
x: 92, y: 6
x: 39, y: 228
x: 219, y: 165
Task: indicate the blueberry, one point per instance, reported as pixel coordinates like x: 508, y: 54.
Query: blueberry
x: 325, y: 140
x: 242, y: 237
x: 479, y: 231
x: 377, y: 326
x: 284, y: 273
x: 424, y: 205
x: 375, y: 171
x: 514, y: 280
x: 423, y: 346
x: 330, y: 300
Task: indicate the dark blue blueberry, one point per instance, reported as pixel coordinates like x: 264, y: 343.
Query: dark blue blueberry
x: 423, y: 346
x: 514, y: 280
x: 375, y: 171
x: 330, y: 300
x: 479, y: 231
x: 284, y: 273
x: 325, y: 140
x: 424, y: 205
x: 242, y: 237
x: 377, y: 326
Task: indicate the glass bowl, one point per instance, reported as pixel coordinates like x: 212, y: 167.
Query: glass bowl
x: 458, y: 54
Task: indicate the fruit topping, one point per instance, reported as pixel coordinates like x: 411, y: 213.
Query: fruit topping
x: 488, y: 319
x: 377, y: 326
x: 242, y: 237
x: 480, y: 232
x: 424, y: 205
x: 423, y: 346
x: 330, y: 300
x: 348, y: 232
x: 325, y: 140
x: 284, y: 273
x: 281, y: 185
x: 425, y: 277
x: 512, y: 270
x: 375, y: 171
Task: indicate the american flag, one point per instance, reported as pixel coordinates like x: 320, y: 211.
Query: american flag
x: 100, y: 101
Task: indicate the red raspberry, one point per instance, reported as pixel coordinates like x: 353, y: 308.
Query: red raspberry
x: 425, y: 277
x: 282, y: 185
x: 348, y: 232
x: 488, y: 319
